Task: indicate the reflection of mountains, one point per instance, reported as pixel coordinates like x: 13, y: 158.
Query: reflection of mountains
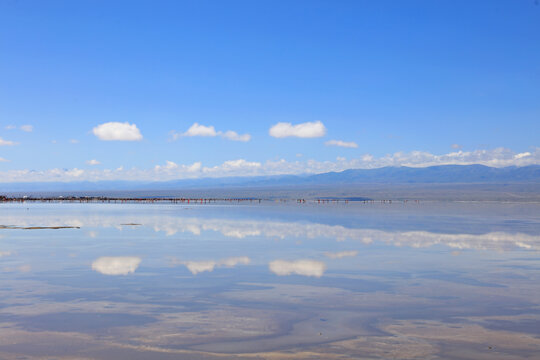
x: 246, y: 228
x: 243, y: 229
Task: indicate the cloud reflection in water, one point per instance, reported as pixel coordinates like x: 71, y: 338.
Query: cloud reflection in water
x: 196, y: 267
x: 240, y: 229
x: 298, y: 267
x: 243, y: 228
x: 341, y: 254
x: 116, y: 265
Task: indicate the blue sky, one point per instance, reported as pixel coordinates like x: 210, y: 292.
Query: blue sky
x: 397, y: 82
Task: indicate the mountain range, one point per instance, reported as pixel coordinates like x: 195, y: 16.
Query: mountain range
x: 443, y: 174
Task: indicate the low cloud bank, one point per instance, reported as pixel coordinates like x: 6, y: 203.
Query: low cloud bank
x: 499, y: 157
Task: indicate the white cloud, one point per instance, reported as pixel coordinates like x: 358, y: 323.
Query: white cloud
x: 5, y: 253
x: 6, y: 142
x: 240, y: 163
x: 237, y: 167
x: 3, y: 160
x: 196, y: 166
x: 200, y: 130
x: 74, y: 141
x: 27, y: 128
x: 304, y: 130
x: 116, y: 265
x: 522, y: 155
x: 117, y: 131
x: 196, y: 267
x: 456, y: 146
x: 75, y: 172
x: 171, y: 168
x: 169, y: 165
x: 234, y: 136
x: 341, y: 254
x: 210, y: 131
x: 298, y: 267
x: 345, y: 144
x: 93, y: 162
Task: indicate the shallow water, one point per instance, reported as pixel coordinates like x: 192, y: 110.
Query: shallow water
x: 275, y: 281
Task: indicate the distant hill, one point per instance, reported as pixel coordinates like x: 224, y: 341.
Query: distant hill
x: 434, y: 174
x: 444, y: 174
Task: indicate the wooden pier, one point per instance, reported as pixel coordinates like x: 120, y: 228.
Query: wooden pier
x: 179, y: 200
x: 124, y: 200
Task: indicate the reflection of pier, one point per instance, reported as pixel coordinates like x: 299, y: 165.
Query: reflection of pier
x: 182, y: 200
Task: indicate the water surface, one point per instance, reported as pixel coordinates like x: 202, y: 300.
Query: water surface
x: 270, y: 281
